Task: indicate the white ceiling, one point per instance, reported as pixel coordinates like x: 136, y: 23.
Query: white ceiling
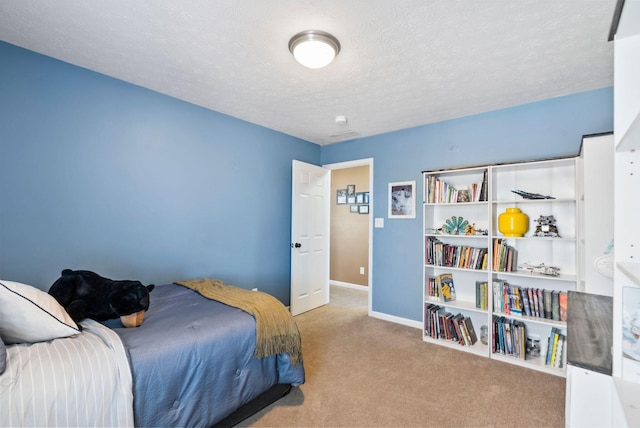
x: 402, y: 64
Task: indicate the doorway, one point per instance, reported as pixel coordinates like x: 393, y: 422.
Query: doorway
x: 351, y: 237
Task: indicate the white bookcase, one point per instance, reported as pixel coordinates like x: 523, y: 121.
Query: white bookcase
x: 626, y: 295
x: 556, y: 178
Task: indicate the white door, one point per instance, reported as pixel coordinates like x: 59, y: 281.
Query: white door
x: 311, y: 185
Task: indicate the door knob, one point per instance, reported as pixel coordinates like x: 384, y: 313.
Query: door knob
x: 296, y: 245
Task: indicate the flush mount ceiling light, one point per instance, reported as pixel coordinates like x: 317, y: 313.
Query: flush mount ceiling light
x: 313, y: 48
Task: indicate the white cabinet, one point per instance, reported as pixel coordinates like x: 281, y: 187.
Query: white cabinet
x: 589, y: 398
x: 510, y: 328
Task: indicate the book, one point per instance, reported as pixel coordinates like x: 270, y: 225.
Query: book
x: 468, y: 324
x: 516, y: 301
x: 533, y: 296
x: 552, y: 346
x: 456, y: 324
x: 558, y: 360
x: 547, y: 304
x: 563, y: 301
x: 555, y: 306
x: 447, y: 288
x: 485, y: 184
x: 540, y: 302
x: 463, y: 331
x: 525, y: 301
x: 481, y: 294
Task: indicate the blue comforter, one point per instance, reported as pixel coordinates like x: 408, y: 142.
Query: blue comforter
x: 192, y: 360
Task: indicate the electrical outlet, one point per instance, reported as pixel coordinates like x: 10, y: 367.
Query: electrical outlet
x: 361, y: 270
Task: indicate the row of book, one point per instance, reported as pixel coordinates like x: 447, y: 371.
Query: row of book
x: 440, y: 324
x: 532, y: 302
x: 438, y: 253
x: 556, y: 348
x: 441, y: 287
x: 504, y: 256
x: 509, y: 337
x: 441, y: 192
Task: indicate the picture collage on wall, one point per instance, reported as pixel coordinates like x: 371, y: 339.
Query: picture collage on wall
x: 358, y: 201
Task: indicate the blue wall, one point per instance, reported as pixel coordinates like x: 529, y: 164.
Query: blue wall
x: 539, y: 130
x: 99, y: 174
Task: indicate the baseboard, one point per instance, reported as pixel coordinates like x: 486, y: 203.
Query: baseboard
x: 349, y: 285
x: 397, y: 320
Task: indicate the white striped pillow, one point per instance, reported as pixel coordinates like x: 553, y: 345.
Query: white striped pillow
x: 28, y: 314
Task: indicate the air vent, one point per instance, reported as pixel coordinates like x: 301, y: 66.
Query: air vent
x: 345, y: 134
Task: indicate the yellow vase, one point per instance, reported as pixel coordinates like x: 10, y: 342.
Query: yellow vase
x: 513, y: 222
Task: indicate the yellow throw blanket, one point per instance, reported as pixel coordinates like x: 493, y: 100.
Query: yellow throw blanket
x: 276, y: 331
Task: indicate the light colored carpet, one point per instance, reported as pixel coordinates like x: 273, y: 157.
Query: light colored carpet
x: 365, y: 372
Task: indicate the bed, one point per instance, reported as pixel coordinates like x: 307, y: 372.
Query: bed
x: 191, y: 363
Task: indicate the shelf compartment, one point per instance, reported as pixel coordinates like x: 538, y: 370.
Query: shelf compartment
x: 527, y: 319
x: 534, y: 364
x: 555, y: 178
x: 457, y: 305
x: 478, y: 348
x: 525, y: 274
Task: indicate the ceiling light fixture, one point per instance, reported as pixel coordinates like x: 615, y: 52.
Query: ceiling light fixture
x: 313, y: 48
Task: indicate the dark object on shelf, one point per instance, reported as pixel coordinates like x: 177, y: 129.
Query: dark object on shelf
x: 528, y: 195
x: 546, y: 226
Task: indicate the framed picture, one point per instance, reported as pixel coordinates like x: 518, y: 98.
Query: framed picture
x: 353, y: 209
x: 363, y: 209
x: 366, y: 198
x: 351, y: 189
x: 341, y: 197
x: 351, y: 199
x: 402, y: 200
x: 360, y: 198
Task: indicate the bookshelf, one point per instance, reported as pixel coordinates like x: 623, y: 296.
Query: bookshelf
x: 456, y: 250
x: 626, y: 293
x: 510, y: 327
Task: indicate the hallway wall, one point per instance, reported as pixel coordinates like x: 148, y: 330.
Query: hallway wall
x: 349, y: 230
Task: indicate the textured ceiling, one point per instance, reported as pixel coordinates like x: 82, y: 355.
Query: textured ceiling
x: 402, y: 64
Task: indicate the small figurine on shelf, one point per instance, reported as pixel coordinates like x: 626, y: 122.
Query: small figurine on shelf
x: 546, y: 227
x: 542, y: 269
x: 470, y: 229
x: 455, y: 226
x: 533, y: 346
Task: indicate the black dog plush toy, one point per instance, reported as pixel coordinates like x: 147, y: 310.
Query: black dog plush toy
x: 85, y: 294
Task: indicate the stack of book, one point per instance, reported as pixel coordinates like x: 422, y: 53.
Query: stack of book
x: 532, y: 302
x: 438, y: 253
x: 504, y: 256
x: 441, y: 192
x: 509, y: 337
x: 441, y: 288
x: 555, y: 348
x: 440, y: 324
x: 482, y: 294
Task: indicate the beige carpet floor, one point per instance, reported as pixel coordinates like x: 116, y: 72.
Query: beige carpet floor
x: 365, y: 372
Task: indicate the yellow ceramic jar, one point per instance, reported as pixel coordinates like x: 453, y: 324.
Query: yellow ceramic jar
x: 513, y: 222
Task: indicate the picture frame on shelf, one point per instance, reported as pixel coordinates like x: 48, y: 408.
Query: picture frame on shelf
x: 402, y: 200
x: 353, y: 209
x: 341, y: 196
x: 363, y: 209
